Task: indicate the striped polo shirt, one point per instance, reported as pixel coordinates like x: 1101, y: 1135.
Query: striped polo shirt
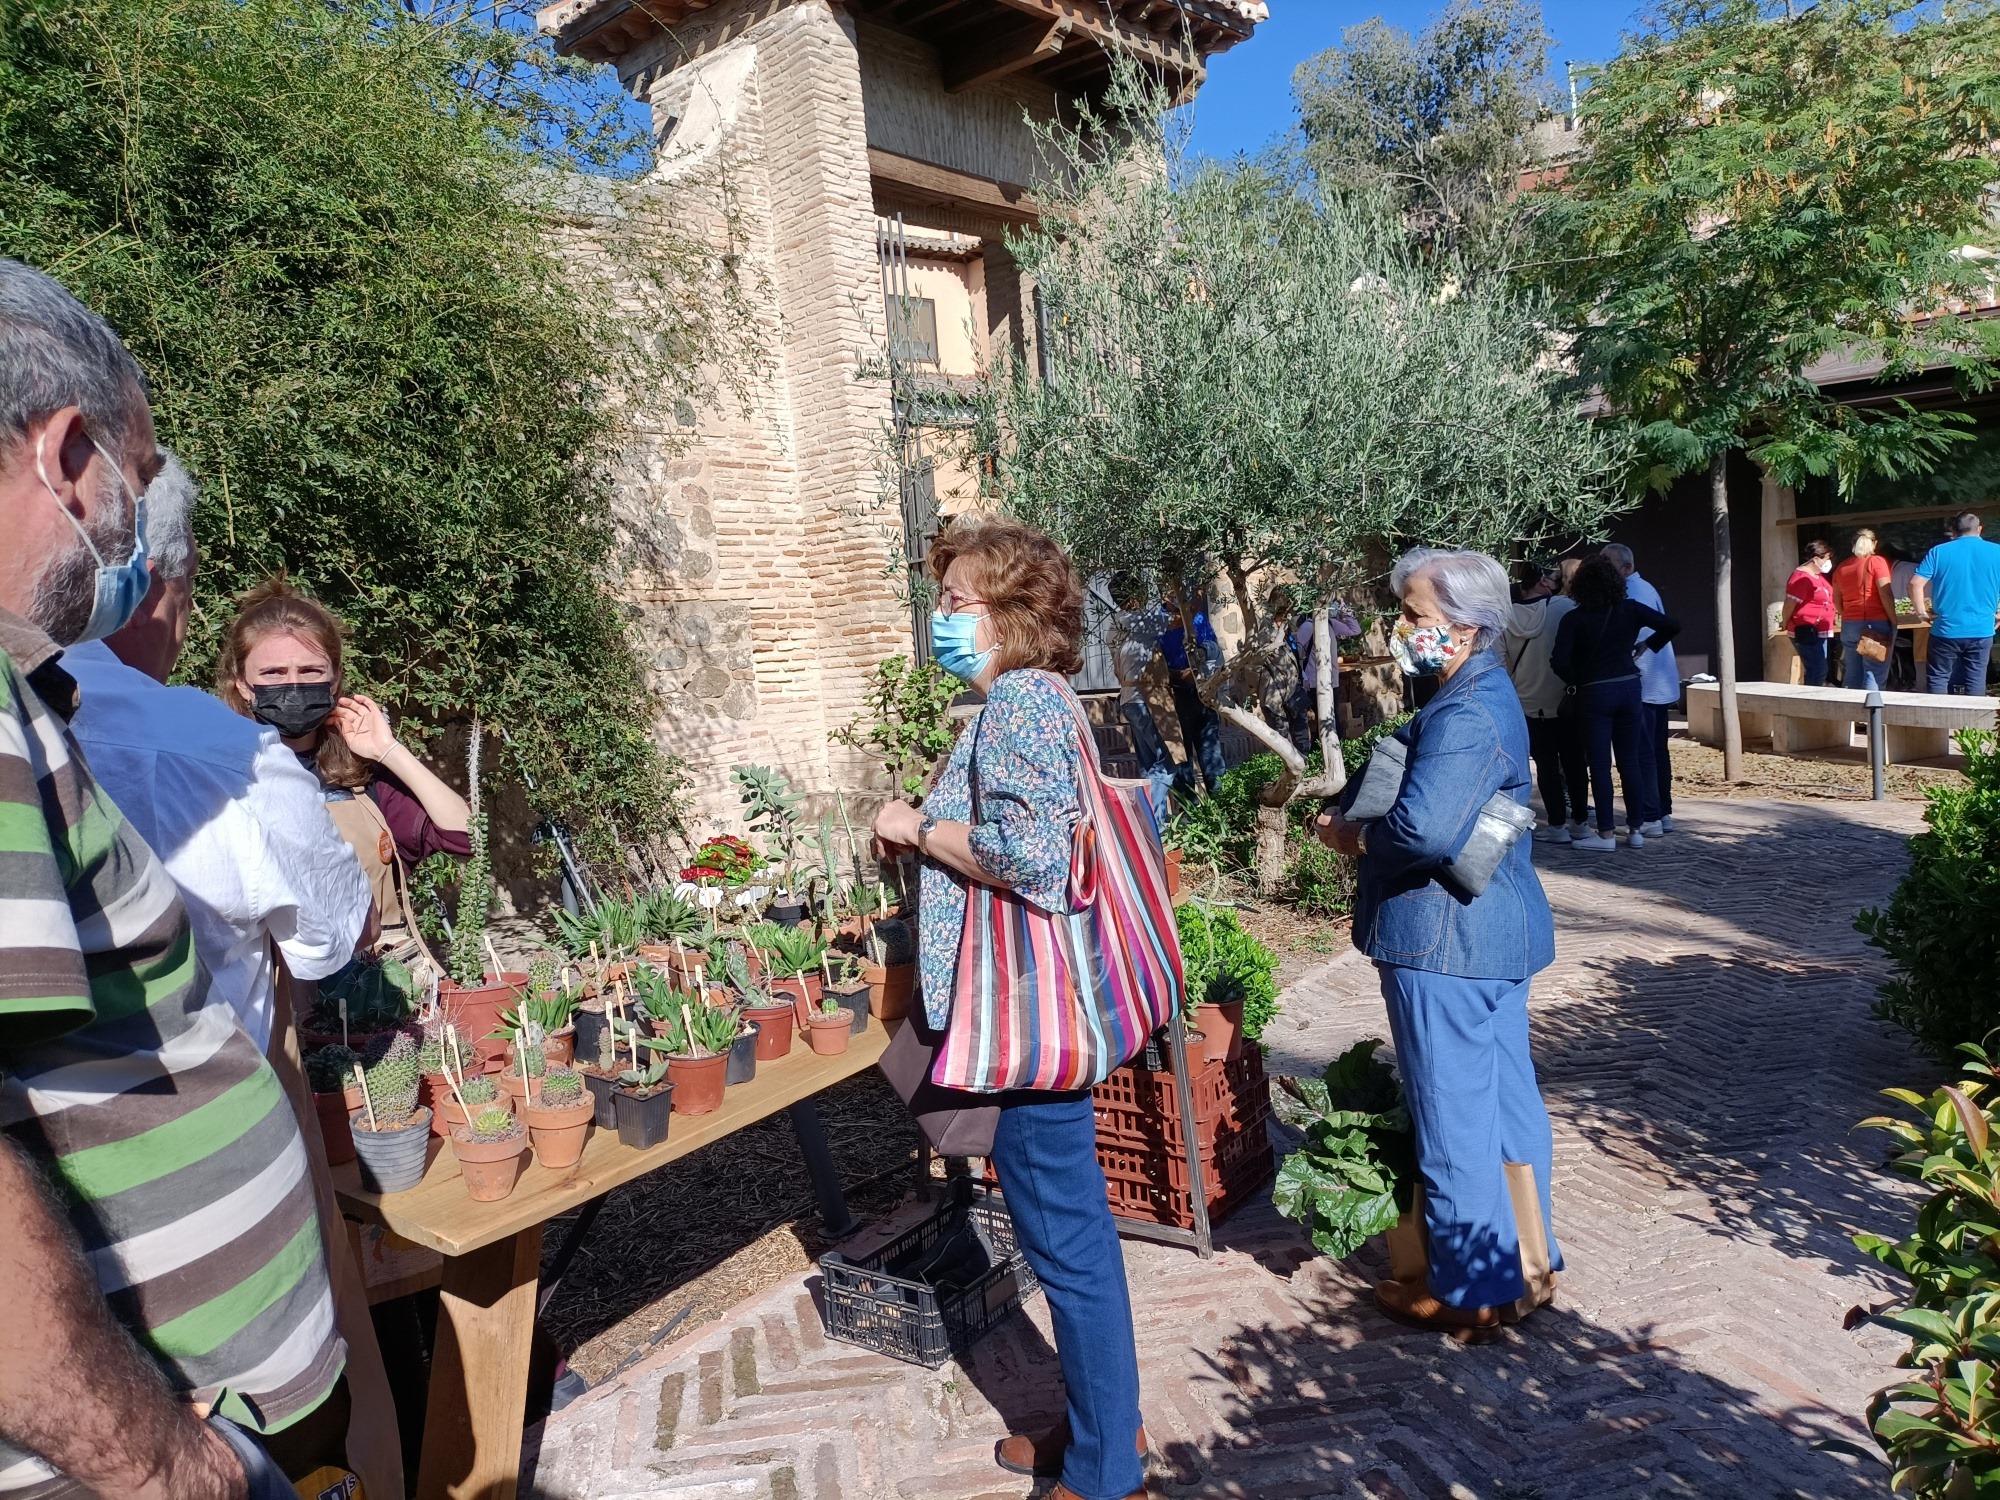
x: 149, y: 1109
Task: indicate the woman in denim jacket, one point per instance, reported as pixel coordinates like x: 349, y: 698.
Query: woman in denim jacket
x: 1454, y: 968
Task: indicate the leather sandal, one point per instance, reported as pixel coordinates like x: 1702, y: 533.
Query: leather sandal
x: 1064, y: 1492
x: 1413, y: 1303
x: 1042, y: 1456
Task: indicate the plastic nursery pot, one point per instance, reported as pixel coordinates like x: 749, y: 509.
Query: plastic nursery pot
x: 828, y: 1034
x: 334, y: 1133
x: 602, y: 1086
x: 643, y: 1118
x: 446, y: 1116
x: 1221, y: 1030
x: 787, y: 914
x: 559, y: 1047
x: 489, y: 1168
x: 475, y: 1009
x: 774, y: 1022
x: 392, y: 1161
x: 559, y: 1133
x: 855, y: 999
x: 889, y: 989
x: 587, y: 1026
x: 698, y: 1082
x: 743, y: 1054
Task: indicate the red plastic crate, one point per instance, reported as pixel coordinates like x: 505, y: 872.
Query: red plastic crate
x: 1142, y: 1110
x: 1153, y: 1184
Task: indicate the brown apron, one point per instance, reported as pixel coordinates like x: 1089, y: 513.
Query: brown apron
x: 358, y: 819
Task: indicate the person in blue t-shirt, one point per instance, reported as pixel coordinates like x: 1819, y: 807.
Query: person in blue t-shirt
x: 1957, y: 590
x: 1201, y: 730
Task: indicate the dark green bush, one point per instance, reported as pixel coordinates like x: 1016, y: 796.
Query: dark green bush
x: 1938, y: 928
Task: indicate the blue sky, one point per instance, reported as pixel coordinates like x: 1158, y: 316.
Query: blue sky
x: 1248, y: 97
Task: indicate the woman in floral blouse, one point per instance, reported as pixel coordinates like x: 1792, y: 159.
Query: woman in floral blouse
x: 1010, y: 617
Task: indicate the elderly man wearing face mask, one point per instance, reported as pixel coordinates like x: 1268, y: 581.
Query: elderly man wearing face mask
x: 159, y: 1231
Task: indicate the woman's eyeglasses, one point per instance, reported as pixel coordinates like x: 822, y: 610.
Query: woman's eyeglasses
x: 951, y: 599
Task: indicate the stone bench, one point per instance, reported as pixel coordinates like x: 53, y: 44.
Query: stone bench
x: 1915, y: 726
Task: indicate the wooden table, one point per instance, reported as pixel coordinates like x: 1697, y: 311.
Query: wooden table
x: 493, y: 1254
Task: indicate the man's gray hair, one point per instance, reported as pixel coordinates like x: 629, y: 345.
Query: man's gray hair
x: 1472, y: 589
x: 170, y: 519
x: 55, y: 352
x: 1620, y: 555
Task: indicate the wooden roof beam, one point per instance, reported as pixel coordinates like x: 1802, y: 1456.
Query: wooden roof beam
x: 1088, y: 18
x: 1036, y: 44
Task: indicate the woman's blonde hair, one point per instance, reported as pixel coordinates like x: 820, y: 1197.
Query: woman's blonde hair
x: 272, y: 608
x: 1028, y: 583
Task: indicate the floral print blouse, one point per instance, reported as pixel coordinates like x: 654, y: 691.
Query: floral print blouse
x: 1025, y: 739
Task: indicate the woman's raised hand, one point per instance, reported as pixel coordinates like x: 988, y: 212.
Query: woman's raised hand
x: 364, y: 726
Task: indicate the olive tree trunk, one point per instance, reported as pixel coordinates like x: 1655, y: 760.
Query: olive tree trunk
x: 1725, y: 619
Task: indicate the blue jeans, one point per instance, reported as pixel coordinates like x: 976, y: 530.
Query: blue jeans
x: 1615, y: 720
x: 1151, y: 751
x: 1462, y: 1051
x: 266, y: 1480
x: 1856, y: 670
x: 1045, y: 1151
x: 1958, y: 664
x: 1201, y: 730
x: 1663, y: 758
x: 1812, y: 653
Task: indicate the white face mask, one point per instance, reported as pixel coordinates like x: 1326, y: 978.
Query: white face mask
x: 120, y: 587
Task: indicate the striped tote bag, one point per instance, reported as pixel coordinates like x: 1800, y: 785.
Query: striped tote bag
x: 1059, y: 1001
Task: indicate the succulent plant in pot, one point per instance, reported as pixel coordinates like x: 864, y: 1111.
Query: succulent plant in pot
x: 558, y: 1115
x: 829, y: 1027
x: 891, y: 967
x: 525, y: 1063
x: 774, y: 1016
x: 477, y: 1093
x: 793, y: 956
x: 644, y: 1100
x: 489, y: 1153
x: 391, y: 1129
x: 773, y: 810
x: 697, y: 1045
x: 846, y: 985
x: 543, y: 1020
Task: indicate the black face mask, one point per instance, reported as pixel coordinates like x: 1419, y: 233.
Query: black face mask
x: 293, y: 709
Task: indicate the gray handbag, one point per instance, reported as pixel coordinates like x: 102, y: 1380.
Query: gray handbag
x: 1500, y: 823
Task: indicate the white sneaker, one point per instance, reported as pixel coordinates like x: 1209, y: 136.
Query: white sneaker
x: 1578, y: 831
x: 1636, y: 839
x: 1596, y: 842
x: 1552, y: 833
x: 1667, y: 823
x: 1653, y: 829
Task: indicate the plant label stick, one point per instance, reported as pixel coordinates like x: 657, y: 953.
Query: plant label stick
x: 366, y: 1103
x: 693, y: 1041
x: 492, y: 957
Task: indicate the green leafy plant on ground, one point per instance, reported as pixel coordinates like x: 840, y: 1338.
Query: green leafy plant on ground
x: 1318, y: 881
x: 1223, y: 963
x: 903, y: 721
x: 1940, y: 1426
x: 1357, y: 1171
x: 1937, y: 926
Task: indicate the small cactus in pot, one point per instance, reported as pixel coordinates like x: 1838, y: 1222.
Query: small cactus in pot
x: 489, y: 1152
x: 559, y: 1115
x: 390, y: 1129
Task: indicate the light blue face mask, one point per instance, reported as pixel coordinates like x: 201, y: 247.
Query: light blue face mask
x: 121, y: 587
x: 953, y: 639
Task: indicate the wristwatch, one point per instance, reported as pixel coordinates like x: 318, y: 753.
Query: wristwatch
x: 924, y: 835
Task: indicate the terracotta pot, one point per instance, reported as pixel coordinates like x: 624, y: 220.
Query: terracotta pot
x: 559, y: 1133
x: 660, y: 956
x: 698, y: 1083
x: 1173, y: 872
x: 446, y: 1116
x: 855, y: 999
x: 489, y: 1168
x: 559, y: 1047
x: 854, y: 928
x: 311, y: 1038
x: 513, y: 1090
x: 475, y: 1009
x: 335, y: 1134
x: 602, y: 1086
x: 774, y: 1039
x: 391, y: 1160
x: 1221, y: 1031
x: 889, y: 989
x: 743, y: 1054
x: 803, y: 990
x: 829, y: 1034
x: 643, y: 1122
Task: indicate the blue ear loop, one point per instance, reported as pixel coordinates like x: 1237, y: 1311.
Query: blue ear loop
x: 121, y: 587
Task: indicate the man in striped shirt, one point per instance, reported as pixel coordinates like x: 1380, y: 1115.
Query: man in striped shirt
x: 158, y: 1237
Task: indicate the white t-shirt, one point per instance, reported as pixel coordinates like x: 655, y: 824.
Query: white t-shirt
x: 237, y: 821
x: 1659, y: 673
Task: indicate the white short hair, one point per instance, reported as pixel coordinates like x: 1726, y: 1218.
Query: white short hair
x: 1472, y: 589
x: 1620, y: 555
x: 170, y: 519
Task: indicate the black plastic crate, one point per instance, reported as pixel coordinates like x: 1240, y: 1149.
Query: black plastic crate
x: 868, y: 1304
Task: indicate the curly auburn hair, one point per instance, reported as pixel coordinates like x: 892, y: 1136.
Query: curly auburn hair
x: 275, y: 607
x: 1598, y: 584
x: 1029, y: 585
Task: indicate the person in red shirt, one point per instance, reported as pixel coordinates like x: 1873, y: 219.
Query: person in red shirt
x: 1867, y: 604
x: 1809, y: 616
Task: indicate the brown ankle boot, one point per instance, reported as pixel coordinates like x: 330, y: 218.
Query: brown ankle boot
x: 1026, y: 1453
x: 1064, y: 1492
x: 1412, y: 1302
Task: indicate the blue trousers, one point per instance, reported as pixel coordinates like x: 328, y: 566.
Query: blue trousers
x: 1856, y: 670
x: 1615, y: 720
x: 1200, y: 729
x: 1957, y: 664
x: 1462, y: 1049
x: 1811, y: 646
x: 1045, y: 1150
x: 1151, y: 751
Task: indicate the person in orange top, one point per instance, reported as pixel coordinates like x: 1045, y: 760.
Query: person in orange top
x: 1861, y: 589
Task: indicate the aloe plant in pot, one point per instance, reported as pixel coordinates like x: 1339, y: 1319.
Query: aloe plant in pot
x: 645, y: 1103
x: 391, y: 1129
x: 558, y: 1115
x: 774, y: 1016
x: 697, y: 1046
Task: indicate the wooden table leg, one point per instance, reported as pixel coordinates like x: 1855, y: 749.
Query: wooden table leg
x: 479, y: 1372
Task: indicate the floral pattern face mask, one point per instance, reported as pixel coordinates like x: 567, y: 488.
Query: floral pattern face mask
x: 1421, y: 650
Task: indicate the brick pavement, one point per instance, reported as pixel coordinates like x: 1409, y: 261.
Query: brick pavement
x: 1705, y: 1047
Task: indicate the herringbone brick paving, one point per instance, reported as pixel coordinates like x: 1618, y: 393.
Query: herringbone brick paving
x: 1705, y: 1047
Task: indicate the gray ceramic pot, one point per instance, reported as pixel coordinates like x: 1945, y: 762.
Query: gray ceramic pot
x: 391, y: 1160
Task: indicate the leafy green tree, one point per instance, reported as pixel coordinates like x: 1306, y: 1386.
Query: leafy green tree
x: 1757, y: 191
x: 329, y: 234
x: 1437, y: 122
x: 1240, y: 380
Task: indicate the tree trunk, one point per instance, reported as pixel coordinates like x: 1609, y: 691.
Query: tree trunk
x: 1725, y: 619
x: 1269, y: 863
x: 1326, y: 663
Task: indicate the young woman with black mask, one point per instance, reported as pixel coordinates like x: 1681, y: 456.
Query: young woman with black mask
x: 281, y: 665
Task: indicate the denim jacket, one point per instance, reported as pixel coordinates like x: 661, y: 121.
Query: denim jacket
x: 1468, y: 742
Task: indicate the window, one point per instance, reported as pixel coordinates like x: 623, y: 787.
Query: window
x: 913, y: 337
